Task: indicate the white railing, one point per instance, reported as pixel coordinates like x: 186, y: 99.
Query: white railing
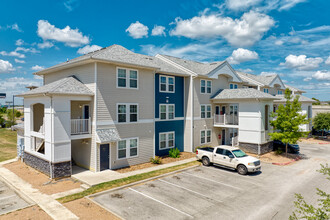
x: 234, y: 141
x: 80, y: 126
x: 226, y: 119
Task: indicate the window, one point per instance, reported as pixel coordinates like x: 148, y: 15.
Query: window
x: 205, y: 136
x: 127, y: 78
x: 166, y: 140
x: 205, y: 111
x: 127, y: 148
x: 166, y: 111
x: 206, y: 86
x: 166, y: 84
x: 279, y: 92
x: 233, y: 86
x: 219, y: 151
x: 265, y: 90
x: 127, y: 113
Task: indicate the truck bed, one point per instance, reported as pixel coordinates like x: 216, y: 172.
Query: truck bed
x: 209, y: 149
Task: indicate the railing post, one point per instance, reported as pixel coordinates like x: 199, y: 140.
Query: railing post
x: 224, y: 119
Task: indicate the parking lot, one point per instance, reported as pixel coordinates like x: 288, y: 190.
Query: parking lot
x: 218, y: 193
x: 9, y: 200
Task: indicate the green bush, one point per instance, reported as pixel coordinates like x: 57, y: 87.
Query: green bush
x: 278, y: 152
x: 156, y: 160
x: 174, y: 153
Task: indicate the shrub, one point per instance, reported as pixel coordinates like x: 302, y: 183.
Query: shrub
x: 174, y: 153
x: 156, y: 160
x: 278, y: 152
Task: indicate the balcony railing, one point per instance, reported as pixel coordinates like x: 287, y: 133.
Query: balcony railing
x: 234, y: 141
x: 80, y: 126
x: 226, y: 119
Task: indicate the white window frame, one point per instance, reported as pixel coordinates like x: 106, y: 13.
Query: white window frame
x: 128, y: 113
x: 235, y: 86
x: 128, y: 152
x: 167, y: 84
x: 167, y: 112
x: 279, y: 92
x: 206, y: 142
x: 167, y: 134
x: 266, y: 90
x: 205, y: 86
x: 206, y: 105
x: 127, y: 78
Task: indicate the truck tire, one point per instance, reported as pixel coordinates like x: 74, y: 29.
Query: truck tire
x: 206, y: 161
x: 242, y: 170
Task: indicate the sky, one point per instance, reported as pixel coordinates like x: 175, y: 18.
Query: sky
x: 287, y: 37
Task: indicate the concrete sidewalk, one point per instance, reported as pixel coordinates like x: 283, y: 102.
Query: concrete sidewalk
x: 52, y: 207
x: 90, y: 178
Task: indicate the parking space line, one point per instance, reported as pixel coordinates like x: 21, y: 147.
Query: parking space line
x: 226, y: 172
x: 186, y: 214
x: 212, y: 180
x: 189, y: 190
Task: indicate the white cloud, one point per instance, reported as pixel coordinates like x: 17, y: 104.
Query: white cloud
x: 307, y: 79
x: 19, y: 61
x: 279, y: 42
x: 70, y: 5
x: 37, y: 68
x: 19, y: 42
x: 68, y: 36
x: 5, y: 67
x: 30, y: 50
x: 158, y: 31
x: 207, y: 52
x: 45, y: 44
x: 288, y: 4
x: 244, y: 31
x: 242, y: 55
x: 137, y: 30
x: 12, y: 54
x: 301, y: 62
x: 328, y: 61
x: 87, y: 49
x: 237, y: 5
x: 322, y: 75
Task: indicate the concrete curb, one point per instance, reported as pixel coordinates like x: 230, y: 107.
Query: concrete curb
x: 8, y: 161
x: 287, y: 163
x: 142, y: 181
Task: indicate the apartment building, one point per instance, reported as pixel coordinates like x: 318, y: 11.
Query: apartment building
x: 114, y: 108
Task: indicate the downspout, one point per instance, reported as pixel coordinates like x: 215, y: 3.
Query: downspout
x: 192, y: 112
x: 95, y: 112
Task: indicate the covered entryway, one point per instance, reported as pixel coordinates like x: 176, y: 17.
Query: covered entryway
x: 104, y: 156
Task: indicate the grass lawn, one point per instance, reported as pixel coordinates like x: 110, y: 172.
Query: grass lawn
x: 8, y: 141
x: 120, y: 182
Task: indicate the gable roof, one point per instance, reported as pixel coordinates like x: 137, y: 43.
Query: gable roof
x: 65, y: 86
x: 121, y: 55
x: 259, y: 80
x: 246, y: 93
x: 195, y: 67
x: 293, y: 89
x: 301, y: 98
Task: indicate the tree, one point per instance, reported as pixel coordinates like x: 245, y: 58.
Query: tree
x: 287, y: 121
x: 317, y: 101
x: 322, y: 122
x: 306, y: 211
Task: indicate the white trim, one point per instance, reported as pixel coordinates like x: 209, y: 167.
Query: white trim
x: 167, y: 112
x: 166, y: 84
x: 95, y: 113
x: 175, y: 119
x: 206, y: 105
x: 176, y: 65
x: 200, y: 137
x: 234, y: 84
x: 166, y: 133
x: 110, y: 122
x: 127, y: 113
x: 127, y: 78
x: 200, y: 86
x: 128, y: 148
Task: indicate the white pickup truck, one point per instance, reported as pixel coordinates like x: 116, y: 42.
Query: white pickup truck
x: 228, y: 156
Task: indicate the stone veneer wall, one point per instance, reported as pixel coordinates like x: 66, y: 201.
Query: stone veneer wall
x: 253, y: 148
x: 62, y: 169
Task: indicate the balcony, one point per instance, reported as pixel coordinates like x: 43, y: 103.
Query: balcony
x: 80, y: 126
x: 226, y: 120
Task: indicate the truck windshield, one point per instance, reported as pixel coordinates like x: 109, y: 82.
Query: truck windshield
x: 239, y: 153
